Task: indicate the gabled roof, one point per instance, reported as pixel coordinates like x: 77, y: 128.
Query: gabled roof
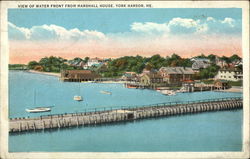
x: 230, y: 69
x: 81, y: 74
x: 78, y: 71
x: 177, y: 70
x: 200, y: 64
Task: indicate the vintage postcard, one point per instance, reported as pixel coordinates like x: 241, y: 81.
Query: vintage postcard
x: 124, y: 79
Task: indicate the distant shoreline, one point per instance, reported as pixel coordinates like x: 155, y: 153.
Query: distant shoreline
x: 234, y: 89
x: 45, y: 73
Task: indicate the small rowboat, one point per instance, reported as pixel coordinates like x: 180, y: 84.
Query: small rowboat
x: 78, y: 98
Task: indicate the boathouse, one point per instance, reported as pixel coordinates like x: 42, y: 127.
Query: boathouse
x: 130, y: 76
x: 78, y: 75
x: 221, y: 84
x: 151, y: 78
x: 176, y: 75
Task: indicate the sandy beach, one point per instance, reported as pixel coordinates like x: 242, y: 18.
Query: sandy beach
x: 45, y: 73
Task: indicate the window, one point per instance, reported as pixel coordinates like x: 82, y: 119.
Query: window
x: 229, y: 76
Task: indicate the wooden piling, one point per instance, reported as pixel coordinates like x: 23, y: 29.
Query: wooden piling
x: 107, y: 116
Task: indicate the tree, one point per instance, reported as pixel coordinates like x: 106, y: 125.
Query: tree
x: 53, y: 64
x: 175, y: 56
x: 173, y: 64
x: 86, y: 59
x: 156, y: 61
x: 226, y: 59
x: 234, y: 57
x: 148, y: 66
x: 209, y: 72
x: 201, y: 56
x: 212, y: 58
x: 32, y: 64
x: 187, y: 63
x: 239, y: 67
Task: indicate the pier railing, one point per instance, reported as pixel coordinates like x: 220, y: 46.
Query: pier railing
x: 121, y: 114
x: 99, y: 109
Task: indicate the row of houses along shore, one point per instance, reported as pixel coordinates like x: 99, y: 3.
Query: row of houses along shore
x: 165, y: 77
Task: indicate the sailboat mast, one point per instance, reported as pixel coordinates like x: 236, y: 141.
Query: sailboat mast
x: 79, y: 89
x: 34, y: 97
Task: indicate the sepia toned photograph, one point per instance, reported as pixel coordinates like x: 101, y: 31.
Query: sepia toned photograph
x: 125, y: 78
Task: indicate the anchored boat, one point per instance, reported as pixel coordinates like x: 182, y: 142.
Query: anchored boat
x: 39, y: 110
x: 78, y: 98
x: 105, y: 92
x: 168, y: 92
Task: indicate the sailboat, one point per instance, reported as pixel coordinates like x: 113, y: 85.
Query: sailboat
x: 38, y: 109
x: 78, y: 97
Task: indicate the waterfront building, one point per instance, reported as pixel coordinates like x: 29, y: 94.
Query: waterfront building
x: 78, y: 75
x: 130, y: 76
x: 221, y: 84
x: 229, y: 74
x: 146, y: 71
x: 176, y: 75
x: 151, y: 78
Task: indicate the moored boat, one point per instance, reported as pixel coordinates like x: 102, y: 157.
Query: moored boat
x: 131, y: 87
x: 78, y: 98
x: 168, y: 92
x: 105, y: 92
x: 38, y: 109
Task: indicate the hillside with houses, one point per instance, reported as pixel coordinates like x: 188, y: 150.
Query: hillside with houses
x: 153, y: 72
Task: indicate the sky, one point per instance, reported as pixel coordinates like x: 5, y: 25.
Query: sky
x: 69, y: 33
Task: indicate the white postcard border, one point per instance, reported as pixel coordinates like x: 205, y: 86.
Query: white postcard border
x: 5, y: 5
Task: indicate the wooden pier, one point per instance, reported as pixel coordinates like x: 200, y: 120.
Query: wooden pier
x: 118, y: 114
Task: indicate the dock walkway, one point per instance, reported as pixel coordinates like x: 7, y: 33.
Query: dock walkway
x: 122, y: 114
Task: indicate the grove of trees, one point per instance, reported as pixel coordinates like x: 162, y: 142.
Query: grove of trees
x: 116, y: 67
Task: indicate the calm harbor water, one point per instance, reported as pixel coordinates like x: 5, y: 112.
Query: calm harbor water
x: 212, y: 131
